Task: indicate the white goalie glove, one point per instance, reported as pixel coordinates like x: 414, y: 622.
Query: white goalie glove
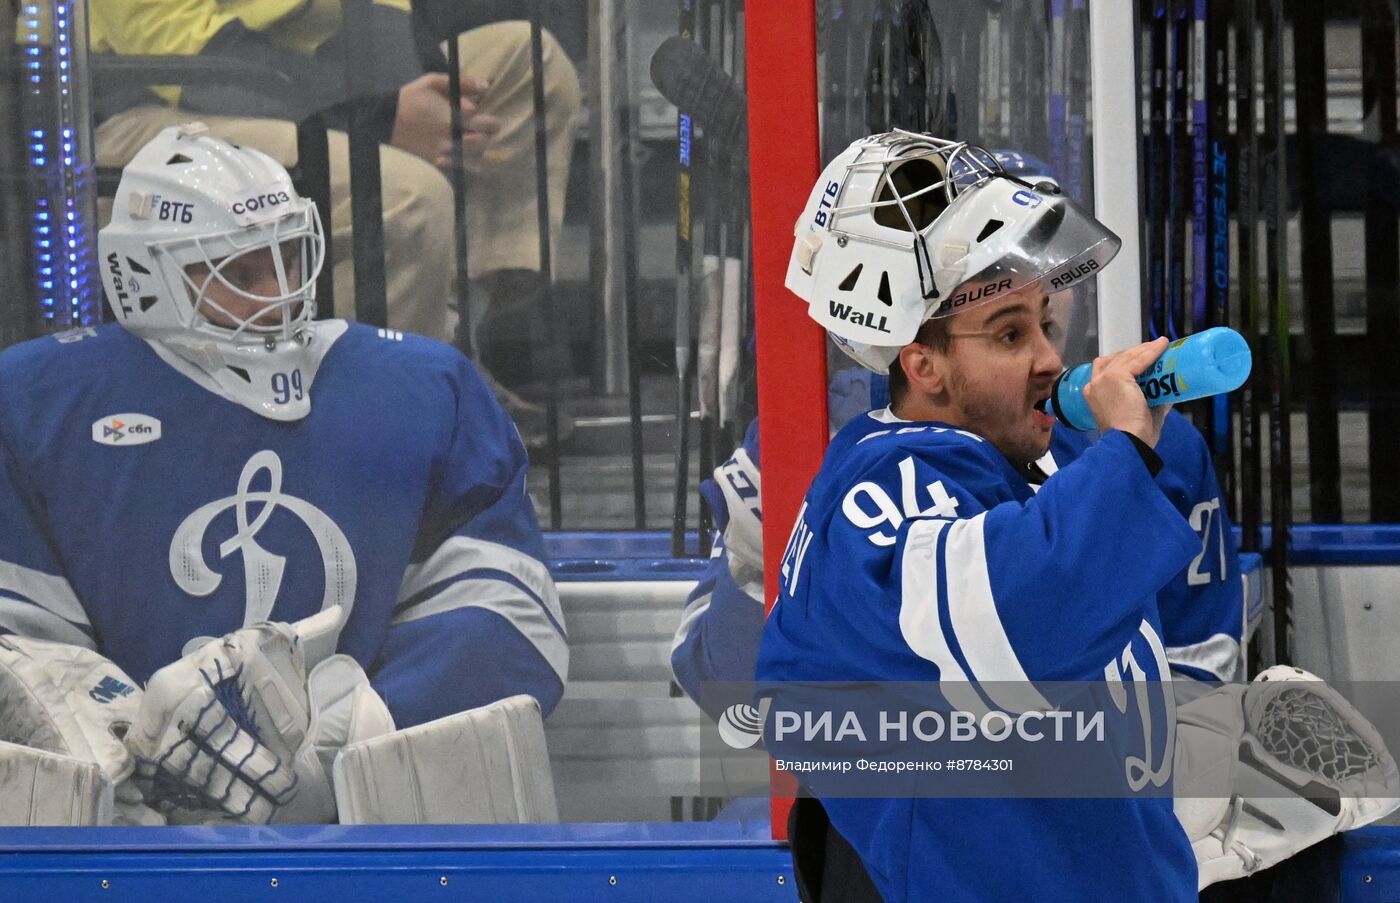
x: 1267, y: 769
x: 738, y: 480
x: 73, y: 702
x: 239, y: 729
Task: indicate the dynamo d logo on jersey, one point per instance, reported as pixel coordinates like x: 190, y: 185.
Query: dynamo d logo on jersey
x: 126, y: 429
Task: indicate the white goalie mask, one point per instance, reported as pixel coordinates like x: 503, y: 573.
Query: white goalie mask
x: 902, y: 227
x: 213, y: 256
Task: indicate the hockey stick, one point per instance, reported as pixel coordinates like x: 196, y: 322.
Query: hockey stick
x: 878, y: 61
x: 1247, y: 148
x: 1157, y: 170
x: 1077, y: 110
x: 853, y: 70
x: 732, y: 284
x: 366, y: 195
x: 1005, y: 49
x: 1076, y: 148
x: 1200, y: 167
x: 689, y: 78
x: 1315, y: 226
x: 1035, y: 63
x: 551, y: 368
x: 1220, y: 156
x: 1378, y: 91
x: 684, y: 284
x: 989, y: 118
x: 1179, y: 201
x: 466, y: 339
x: 1055, y: 106
x: 630, y: 218
x: 1275, y: 183
x: 1019, y: 61
x: 708, y: 191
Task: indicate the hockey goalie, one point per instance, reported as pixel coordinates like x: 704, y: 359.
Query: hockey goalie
x: 237, y: 540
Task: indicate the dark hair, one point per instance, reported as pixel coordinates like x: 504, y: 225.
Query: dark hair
x: 933, y: 334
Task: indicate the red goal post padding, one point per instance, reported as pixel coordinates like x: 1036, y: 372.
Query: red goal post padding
x: 784, y: 160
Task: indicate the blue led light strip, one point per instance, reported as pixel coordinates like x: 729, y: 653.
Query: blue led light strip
x: 69, y: 293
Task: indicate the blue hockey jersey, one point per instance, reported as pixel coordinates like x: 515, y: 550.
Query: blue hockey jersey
x: 139, y: 510
x: 1201, y: 607
x: 921, y: 554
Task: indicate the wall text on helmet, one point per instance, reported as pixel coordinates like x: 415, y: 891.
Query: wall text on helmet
x: 858, y: 318
x: 114, y: 267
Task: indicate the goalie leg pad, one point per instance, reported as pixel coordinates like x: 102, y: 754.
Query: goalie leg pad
x: 68, y: 700
x: 38, y: 787
x: 484, y: 766
x: 345, y: 707
x: 1208, y: 733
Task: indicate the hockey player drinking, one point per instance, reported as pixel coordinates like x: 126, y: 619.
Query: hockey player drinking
x: 221, y: 464
x: 923, y: 258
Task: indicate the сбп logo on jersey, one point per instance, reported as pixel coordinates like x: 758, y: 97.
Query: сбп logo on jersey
x: 126, y: 429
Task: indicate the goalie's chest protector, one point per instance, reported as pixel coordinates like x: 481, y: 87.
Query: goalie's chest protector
x: 839, y: 617
x: 176, y: 513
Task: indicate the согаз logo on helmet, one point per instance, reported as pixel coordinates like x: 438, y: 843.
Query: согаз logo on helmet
x: 258, y: 202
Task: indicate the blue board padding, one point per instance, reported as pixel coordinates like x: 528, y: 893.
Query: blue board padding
x: 700, y: 861
x: 1370, y: 865
x: 1315, y: 544
x: 643, y: 556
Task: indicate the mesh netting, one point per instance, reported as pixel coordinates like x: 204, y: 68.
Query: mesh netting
x: 1300, y: 728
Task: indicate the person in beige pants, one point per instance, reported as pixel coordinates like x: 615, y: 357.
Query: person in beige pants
x: 419, y: 254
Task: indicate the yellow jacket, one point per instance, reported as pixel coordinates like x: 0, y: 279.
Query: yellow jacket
x: 184, y: 27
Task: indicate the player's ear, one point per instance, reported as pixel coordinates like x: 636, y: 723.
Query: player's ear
x: 925, y: 368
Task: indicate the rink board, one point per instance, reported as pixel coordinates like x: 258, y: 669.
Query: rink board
x: 403, y: 864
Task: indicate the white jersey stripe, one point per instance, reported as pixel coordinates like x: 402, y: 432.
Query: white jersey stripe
x: 506, y: 600
x: 31, y: 620
x: 47, y: 591
x: 1220, y: 655
x: 461, y: 554
x: 689, y: 618
x: 920, y: 621
x: 977, y: 625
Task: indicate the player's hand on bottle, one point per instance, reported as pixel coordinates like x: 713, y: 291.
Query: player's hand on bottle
x: 1115, y: 397
x: 423, y: 119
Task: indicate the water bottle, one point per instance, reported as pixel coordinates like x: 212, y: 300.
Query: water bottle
x: 1207, y: 363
